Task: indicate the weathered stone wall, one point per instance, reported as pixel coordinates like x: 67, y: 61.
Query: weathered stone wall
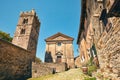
x: 59, y: 67
x: 109, y: 51
x: 77, y: 62
x: 47, y: 68
x: 100, y: 27
x: 40, y: 70
x: 15, y: 62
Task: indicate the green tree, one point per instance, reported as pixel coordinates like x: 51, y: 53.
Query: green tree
x: 5, y: 36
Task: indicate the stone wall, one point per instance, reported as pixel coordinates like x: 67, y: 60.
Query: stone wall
x: 43, y: 69
x: 59, y: 67
x: 15, y: 62
x: 77, y: 62
x: 100, y: 28
x: 109, y: 52
x: 40, y: 70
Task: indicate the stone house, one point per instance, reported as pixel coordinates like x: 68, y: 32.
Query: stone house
x: 99, y: 35
x: 59, y: 49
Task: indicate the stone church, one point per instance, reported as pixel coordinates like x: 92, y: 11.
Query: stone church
x: 59, y: 49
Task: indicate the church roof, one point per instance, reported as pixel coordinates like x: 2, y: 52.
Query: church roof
x: 59, y: 37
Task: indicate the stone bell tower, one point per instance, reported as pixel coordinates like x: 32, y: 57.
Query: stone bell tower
x: 27, y: 32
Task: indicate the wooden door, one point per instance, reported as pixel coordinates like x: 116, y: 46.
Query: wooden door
x: 59, y: 59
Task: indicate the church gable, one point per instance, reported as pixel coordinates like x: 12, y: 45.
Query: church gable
x: 59, y: 36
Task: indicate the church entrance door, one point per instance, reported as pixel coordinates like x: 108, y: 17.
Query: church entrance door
x: 59, y: 59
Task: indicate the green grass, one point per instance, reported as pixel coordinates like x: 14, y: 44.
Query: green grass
x: 73, y: 74
x: 88, y: 78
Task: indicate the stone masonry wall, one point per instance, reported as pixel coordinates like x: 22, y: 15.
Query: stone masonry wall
x: 40, y: 70
x: 100, y: 27
x: 109, y: 51
x: 43, y: 69
x: 59, y: 67
x: 77, y: 62
x: 15, y: 62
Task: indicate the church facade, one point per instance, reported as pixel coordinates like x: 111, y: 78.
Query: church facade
x: 59, y: 49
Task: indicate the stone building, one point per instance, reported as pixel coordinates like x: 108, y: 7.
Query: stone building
x: 16, y: 57
x: 27, y: 32
x: 77, y: 62
x: 59, y: 49
x: 99, y: 35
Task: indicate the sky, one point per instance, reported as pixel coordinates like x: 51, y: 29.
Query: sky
x: 55, y: 16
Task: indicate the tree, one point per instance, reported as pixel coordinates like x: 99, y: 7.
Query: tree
x: 5, y: 36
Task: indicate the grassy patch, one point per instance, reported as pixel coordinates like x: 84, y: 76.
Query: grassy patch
x: 88, y: 78
x: 42, y: 77
x: 73, y: 74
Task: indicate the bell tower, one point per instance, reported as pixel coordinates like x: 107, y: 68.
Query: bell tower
x: 27, y: 32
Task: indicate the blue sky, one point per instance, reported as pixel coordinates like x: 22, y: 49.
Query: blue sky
x: 55, y: 16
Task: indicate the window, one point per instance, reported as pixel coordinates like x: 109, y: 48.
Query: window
x: 59, y: 43
x: 22, y: 31
x: 25, y: 21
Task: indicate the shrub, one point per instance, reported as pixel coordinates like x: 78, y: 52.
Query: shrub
x: 91, y: 66
x: 91, y: 69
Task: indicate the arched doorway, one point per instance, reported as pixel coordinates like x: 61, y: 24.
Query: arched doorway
x: 58, y: 57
